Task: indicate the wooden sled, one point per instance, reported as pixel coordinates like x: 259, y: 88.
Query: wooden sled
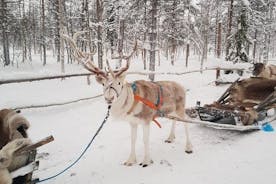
x: 242, y: 107
x: 23, y: 175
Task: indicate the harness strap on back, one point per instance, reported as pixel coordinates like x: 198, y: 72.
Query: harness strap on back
x: 150, y: 104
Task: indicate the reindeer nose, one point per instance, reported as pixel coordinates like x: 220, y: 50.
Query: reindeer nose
x: 109, y: 100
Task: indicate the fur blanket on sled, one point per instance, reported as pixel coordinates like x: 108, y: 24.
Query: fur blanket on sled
x: 13, y: 131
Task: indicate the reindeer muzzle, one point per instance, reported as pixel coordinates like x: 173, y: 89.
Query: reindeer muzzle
x: 109, y: 100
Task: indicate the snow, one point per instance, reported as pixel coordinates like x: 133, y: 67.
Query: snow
x: 219, y: 156
x: 194, y: 3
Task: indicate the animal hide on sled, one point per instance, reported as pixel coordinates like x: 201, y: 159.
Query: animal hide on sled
x: 13, y: 131
x: 246, y: 100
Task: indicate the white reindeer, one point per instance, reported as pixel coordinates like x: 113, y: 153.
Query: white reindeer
x: 135, y: 102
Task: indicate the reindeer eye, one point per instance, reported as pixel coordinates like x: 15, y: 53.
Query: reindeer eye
x: 119, y: 83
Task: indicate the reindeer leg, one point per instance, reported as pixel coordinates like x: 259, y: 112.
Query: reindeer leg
x: 146, y: 131
x: 172, y: 134
x: 132, y: 157
x: 189, y: 147
x: 180, y: 111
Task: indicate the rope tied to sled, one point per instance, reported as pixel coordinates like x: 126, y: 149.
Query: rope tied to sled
x: 83, y: 152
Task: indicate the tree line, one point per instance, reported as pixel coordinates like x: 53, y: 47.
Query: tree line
x: 237, y: 30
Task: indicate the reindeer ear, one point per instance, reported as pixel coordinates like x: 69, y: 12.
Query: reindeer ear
x: 100, y: 79
x: 122, y: 76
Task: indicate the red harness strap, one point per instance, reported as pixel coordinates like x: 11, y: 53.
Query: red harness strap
x: 151, y: 105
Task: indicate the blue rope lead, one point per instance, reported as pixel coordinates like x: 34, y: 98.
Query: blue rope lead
x: 76, y: 161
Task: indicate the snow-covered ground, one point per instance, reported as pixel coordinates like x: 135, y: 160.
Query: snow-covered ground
x: 219, y: 156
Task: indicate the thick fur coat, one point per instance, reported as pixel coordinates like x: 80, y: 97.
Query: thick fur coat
x: 6, y: 158
x: 265, y: 71
x: 13, y: 130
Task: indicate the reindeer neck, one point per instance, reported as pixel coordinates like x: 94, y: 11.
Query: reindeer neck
x: 124, y: 102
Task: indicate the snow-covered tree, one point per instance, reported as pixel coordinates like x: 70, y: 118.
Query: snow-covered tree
x: 239, y: 40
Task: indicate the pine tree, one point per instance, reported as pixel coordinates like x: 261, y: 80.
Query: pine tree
x: 239, y: 40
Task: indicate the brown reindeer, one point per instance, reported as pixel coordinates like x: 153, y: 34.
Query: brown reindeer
x: 248, y: 97
x: 251, y: 92
x: 125, y: 104
x: 261, y: 70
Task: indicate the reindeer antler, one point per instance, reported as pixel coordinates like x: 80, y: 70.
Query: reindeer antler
x: 109, y: 69
x: 82, y: 57
x: 127, y: 58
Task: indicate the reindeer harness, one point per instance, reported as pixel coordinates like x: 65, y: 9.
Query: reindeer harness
x: 156, y: 106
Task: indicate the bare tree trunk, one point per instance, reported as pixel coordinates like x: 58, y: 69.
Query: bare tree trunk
x: 219, y: 40
x: 266, y: 48
x: 187, y: 53
x: 34, y: 29
x: 43, y: 31
x: 56, y: 28
x: 121, y: 37
x: 99, y: 7
x: 83, y: 22
x: 87, y: 26
x: 152, y: 37
x: 145, y: 36
x: 218, y: 49
x: 23, y: 32
x: 189, y: 32
x: 269, y: 16
x: 255, y: 46
x: 205, y: 33
x: 61, y: 31
x: 5, y: 35
x: 29, y: 36
x: 66, y: 28
x: 158, y: 43
x: 172, y: 39
x: 229, y: 28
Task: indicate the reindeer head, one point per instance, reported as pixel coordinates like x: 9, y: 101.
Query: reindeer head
x: 258, y: 68
x: 113, y: 82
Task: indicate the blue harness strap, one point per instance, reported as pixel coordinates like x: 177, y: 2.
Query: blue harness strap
x: 134, y: 87
x: 159, y: 101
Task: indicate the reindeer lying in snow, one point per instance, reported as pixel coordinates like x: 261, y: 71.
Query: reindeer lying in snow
x: 135, y: 102
x: 261, y: 70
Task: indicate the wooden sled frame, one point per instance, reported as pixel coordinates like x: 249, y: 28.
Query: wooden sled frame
x: 215, y: 115
x: 24, y: 174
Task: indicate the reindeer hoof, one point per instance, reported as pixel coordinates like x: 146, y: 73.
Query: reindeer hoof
x: 146, y: 164
x: 143, y: 165
x: 130, y: 162
x: 170, y: 139
x: 189, y: 151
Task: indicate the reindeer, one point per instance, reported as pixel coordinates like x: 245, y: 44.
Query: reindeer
x: 261, y: 70
x: 134, y: 102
